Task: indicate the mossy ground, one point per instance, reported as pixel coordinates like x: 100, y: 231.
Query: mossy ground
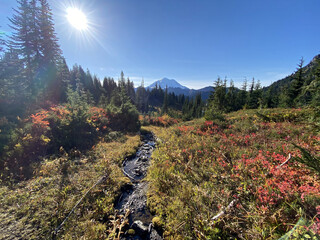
x: 33, y: 209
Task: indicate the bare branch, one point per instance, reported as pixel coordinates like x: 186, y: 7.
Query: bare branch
x: 289, y: 157
x: 225, y: 210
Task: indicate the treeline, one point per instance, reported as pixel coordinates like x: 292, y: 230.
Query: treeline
x: 300, y: 89
x: 45, y: 107
x: 34, y: 74
x: 48, y: 108
x: 180, y: 106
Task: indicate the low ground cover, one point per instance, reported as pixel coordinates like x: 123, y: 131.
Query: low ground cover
x: 33, y: 209
x: 200, y: 167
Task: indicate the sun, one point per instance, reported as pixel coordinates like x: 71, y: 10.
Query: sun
x: 77, y: 19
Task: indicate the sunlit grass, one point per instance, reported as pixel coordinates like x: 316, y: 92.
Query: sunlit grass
x: 34, y: 208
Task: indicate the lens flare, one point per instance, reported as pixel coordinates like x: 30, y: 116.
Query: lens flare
x: 77, y: 19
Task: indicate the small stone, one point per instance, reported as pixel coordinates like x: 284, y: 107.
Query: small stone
x: 140, y: 228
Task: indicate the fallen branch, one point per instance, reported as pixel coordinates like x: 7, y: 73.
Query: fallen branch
x: 225, y: 210
x: 289, y: 157
x: 232, y: 203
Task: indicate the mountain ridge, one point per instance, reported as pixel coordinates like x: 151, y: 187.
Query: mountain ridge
x: 307, y: 71
x: 166, y: 82
x: 175, y: 87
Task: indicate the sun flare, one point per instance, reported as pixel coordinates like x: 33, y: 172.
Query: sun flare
x: 77, y: 18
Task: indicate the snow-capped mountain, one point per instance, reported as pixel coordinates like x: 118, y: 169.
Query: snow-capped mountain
x: 176, y: 88
x: 165, y: 82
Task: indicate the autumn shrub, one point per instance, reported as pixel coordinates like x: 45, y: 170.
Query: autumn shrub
x: 71, y: 126
x: 213, y: 114
x: 163, y: 121
x: 283, y: 115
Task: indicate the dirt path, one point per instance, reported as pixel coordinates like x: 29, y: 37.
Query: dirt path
x: 134, y: 197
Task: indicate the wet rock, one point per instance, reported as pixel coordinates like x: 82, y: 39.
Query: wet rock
x: 140, y: 228
x: 138, y: 172
x: 144, y: 152
x: 146, y: 147
x: 154, y: 235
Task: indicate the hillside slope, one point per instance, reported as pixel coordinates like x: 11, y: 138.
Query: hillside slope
x: 308, y: 74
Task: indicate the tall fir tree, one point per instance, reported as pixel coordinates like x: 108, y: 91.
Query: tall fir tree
x: 217, y: 99
x: 63, y: 79
x: 315, y: 86
x: 2, y: 42
x: 49, y: 46
x: 142, y: 98
x: 21, y: 38
x: 296, y: 85
x: 165, y: 102
x: 242, y: 96
x: 109, y: 85
x: 35, y: 34
x: 231, y: 97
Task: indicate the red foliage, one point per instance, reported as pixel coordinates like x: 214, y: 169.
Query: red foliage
x: 163, y: 121
x: 40, y: 119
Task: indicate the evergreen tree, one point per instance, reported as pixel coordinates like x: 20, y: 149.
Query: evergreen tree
x: 156, y: 96
x: 97, y: 89
x: 109, y: 85
x: 87, y: 81
x: 197, y: 106
x: 49, y: 46
x: 217, y: 99
x: 35, y: 34
x: 315, y: 85
x: 12, y: 85
x: 124, y: 114
x: 296, y: 85
x: 269, y: 99
x: 2, y: 42
x: 142, y: 98
x: 284, y: 98
x: 242, y: 96
x: 130, y: 90
x: 121, y: 81
x: 251, y: 102
x: 21, y: 38
x: 255, y: 95
x: 231, y: 97
x: 165, y: 102
x: 63, y: 78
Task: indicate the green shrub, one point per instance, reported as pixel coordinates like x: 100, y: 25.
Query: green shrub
x: 124, y: 116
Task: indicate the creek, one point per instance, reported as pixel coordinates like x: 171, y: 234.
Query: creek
x: 133, y: 197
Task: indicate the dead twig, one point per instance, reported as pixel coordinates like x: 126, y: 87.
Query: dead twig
x: 225, y: 210
x: 289, y: 157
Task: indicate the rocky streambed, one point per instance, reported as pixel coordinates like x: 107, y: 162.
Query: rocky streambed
x: 133, y: 197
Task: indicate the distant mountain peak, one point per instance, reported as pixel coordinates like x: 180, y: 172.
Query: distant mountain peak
x: 166, y: 82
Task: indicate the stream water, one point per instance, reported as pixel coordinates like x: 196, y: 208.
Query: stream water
x: 134, y: 197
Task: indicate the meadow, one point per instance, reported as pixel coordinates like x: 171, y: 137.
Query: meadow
x: 34, y: 208
x: 237, y: 177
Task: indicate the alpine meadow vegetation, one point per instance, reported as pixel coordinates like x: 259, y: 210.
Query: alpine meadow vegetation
x: 200, y: 167
x: 237, y: 163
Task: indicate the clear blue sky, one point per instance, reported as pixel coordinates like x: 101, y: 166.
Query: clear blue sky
x: 192, y: 41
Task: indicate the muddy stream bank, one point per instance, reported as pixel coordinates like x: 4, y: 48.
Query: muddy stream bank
x: 134, y: 197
